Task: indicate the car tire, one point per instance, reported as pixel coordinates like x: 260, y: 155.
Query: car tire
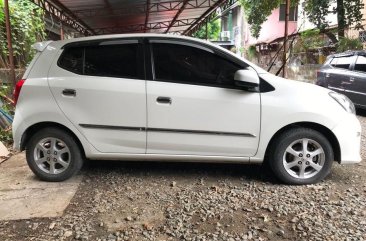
x: 53, y: 155
x: 301, y: 156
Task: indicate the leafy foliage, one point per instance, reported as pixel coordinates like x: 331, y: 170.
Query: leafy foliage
x: 257, y: 12
x: 348, y: 14
x: 6, y: 134
x: 348, y: 11
x: 311, y: 39
x: 251, y: 52
x: 345, y: 44
x: 213, y: 31
x: 28, y: 27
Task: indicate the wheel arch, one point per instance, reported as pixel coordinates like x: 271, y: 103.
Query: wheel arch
x: 328, y: 134
x: 31, y: 130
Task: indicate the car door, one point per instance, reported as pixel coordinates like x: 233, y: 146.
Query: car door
x: 356, y: 89
x: 194, y: 107
x: 101, y: 88
x: 337, y: 77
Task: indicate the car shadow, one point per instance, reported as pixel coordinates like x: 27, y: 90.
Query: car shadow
x: 247, y: 172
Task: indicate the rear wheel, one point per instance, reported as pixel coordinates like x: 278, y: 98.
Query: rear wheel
x: 301, y: 156
x: 53, y: 155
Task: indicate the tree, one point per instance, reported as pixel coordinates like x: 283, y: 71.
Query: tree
x: 28, y: 26
x: 348, y: 14
x: 213, y: 31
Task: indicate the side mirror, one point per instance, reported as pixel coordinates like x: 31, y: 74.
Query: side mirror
x: 246, y: 78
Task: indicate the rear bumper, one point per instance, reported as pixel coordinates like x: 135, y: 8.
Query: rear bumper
x: 348, y: 133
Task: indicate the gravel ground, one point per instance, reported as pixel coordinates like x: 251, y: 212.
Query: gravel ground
x: 191, y: 201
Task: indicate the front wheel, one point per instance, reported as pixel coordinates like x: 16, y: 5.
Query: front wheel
x: 53, y: 155
x: 301, y: 156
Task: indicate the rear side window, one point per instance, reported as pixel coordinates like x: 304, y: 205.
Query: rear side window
x: 342, y: 62
x: 361, y: 64
x: 72, y: 60
x: 117, y: 60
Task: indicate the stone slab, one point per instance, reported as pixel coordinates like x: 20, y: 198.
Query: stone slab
x: 23, y: 196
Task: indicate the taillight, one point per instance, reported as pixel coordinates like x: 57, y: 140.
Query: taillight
x: 17, y: 89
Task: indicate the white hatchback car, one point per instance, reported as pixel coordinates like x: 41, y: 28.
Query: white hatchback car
x: 162, y: 97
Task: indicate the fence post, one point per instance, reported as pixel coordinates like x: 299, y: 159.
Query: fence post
x: 10, y: 44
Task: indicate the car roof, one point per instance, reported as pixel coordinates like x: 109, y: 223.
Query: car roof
x: 134, y: 35
x: 349, y: 53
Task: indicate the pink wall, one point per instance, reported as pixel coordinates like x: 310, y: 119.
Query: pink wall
x: 272, y: 29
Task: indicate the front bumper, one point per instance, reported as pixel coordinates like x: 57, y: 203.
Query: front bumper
x: 348, y: 133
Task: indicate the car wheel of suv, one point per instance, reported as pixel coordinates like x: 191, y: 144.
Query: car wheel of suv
x: 53, y: 155
x: 301, y: 156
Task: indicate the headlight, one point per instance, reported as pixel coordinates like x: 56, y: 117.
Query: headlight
x: 344, y: 101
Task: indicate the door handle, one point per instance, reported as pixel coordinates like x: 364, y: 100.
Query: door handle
x: 164, y: 100
x: 351, y: 79
x: 327, y: 75
x: 69, y: 92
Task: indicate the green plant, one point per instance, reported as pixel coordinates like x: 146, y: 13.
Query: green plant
x: 7, y: 106
x: 28, y: 27
x: 345, y: 44
x: 349, y: 12
x: 311, y: 39
x: 213, y: 31
x: 6, y: 137
x: 251, y: 52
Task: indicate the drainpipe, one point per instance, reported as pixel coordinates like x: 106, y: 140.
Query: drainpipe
x: 10, y: 44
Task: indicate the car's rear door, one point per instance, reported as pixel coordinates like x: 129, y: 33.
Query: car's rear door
x: 356, y: 89
x: 100, y: 86
x: 337, y: 77
x: 194, y: 107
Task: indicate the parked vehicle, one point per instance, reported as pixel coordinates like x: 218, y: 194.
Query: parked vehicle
x: 163, y: 97
x: 345, y: 73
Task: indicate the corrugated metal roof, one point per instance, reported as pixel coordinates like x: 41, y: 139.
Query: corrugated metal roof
x: 136, y: 16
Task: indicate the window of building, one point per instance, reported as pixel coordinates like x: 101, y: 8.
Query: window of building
x: 293, y: 13
x: 191, y: 65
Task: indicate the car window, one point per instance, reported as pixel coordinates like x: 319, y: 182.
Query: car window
x: 342, y: 62
x: 187, y: 64
x: 112, y: 60
x: 361, y: 64
x: 119, y: 60
x: 72, y: 60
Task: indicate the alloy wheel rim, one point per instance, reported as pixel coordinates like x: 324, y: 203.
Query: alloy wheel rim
x: 304, y: 158
x: 52, y: 155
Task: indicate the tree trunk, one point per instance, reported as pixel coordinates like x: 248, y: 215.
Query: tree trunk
x: 331, y: 36
x: 340, y: 18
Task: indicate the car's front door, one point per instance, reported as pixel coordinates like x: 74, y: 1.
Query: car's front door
x: 194, y: 107
x: 101, y: 88
x: 356, y: 89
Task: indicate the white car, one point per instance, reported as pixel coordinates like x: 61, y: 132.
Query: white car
x: 162, y: 97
